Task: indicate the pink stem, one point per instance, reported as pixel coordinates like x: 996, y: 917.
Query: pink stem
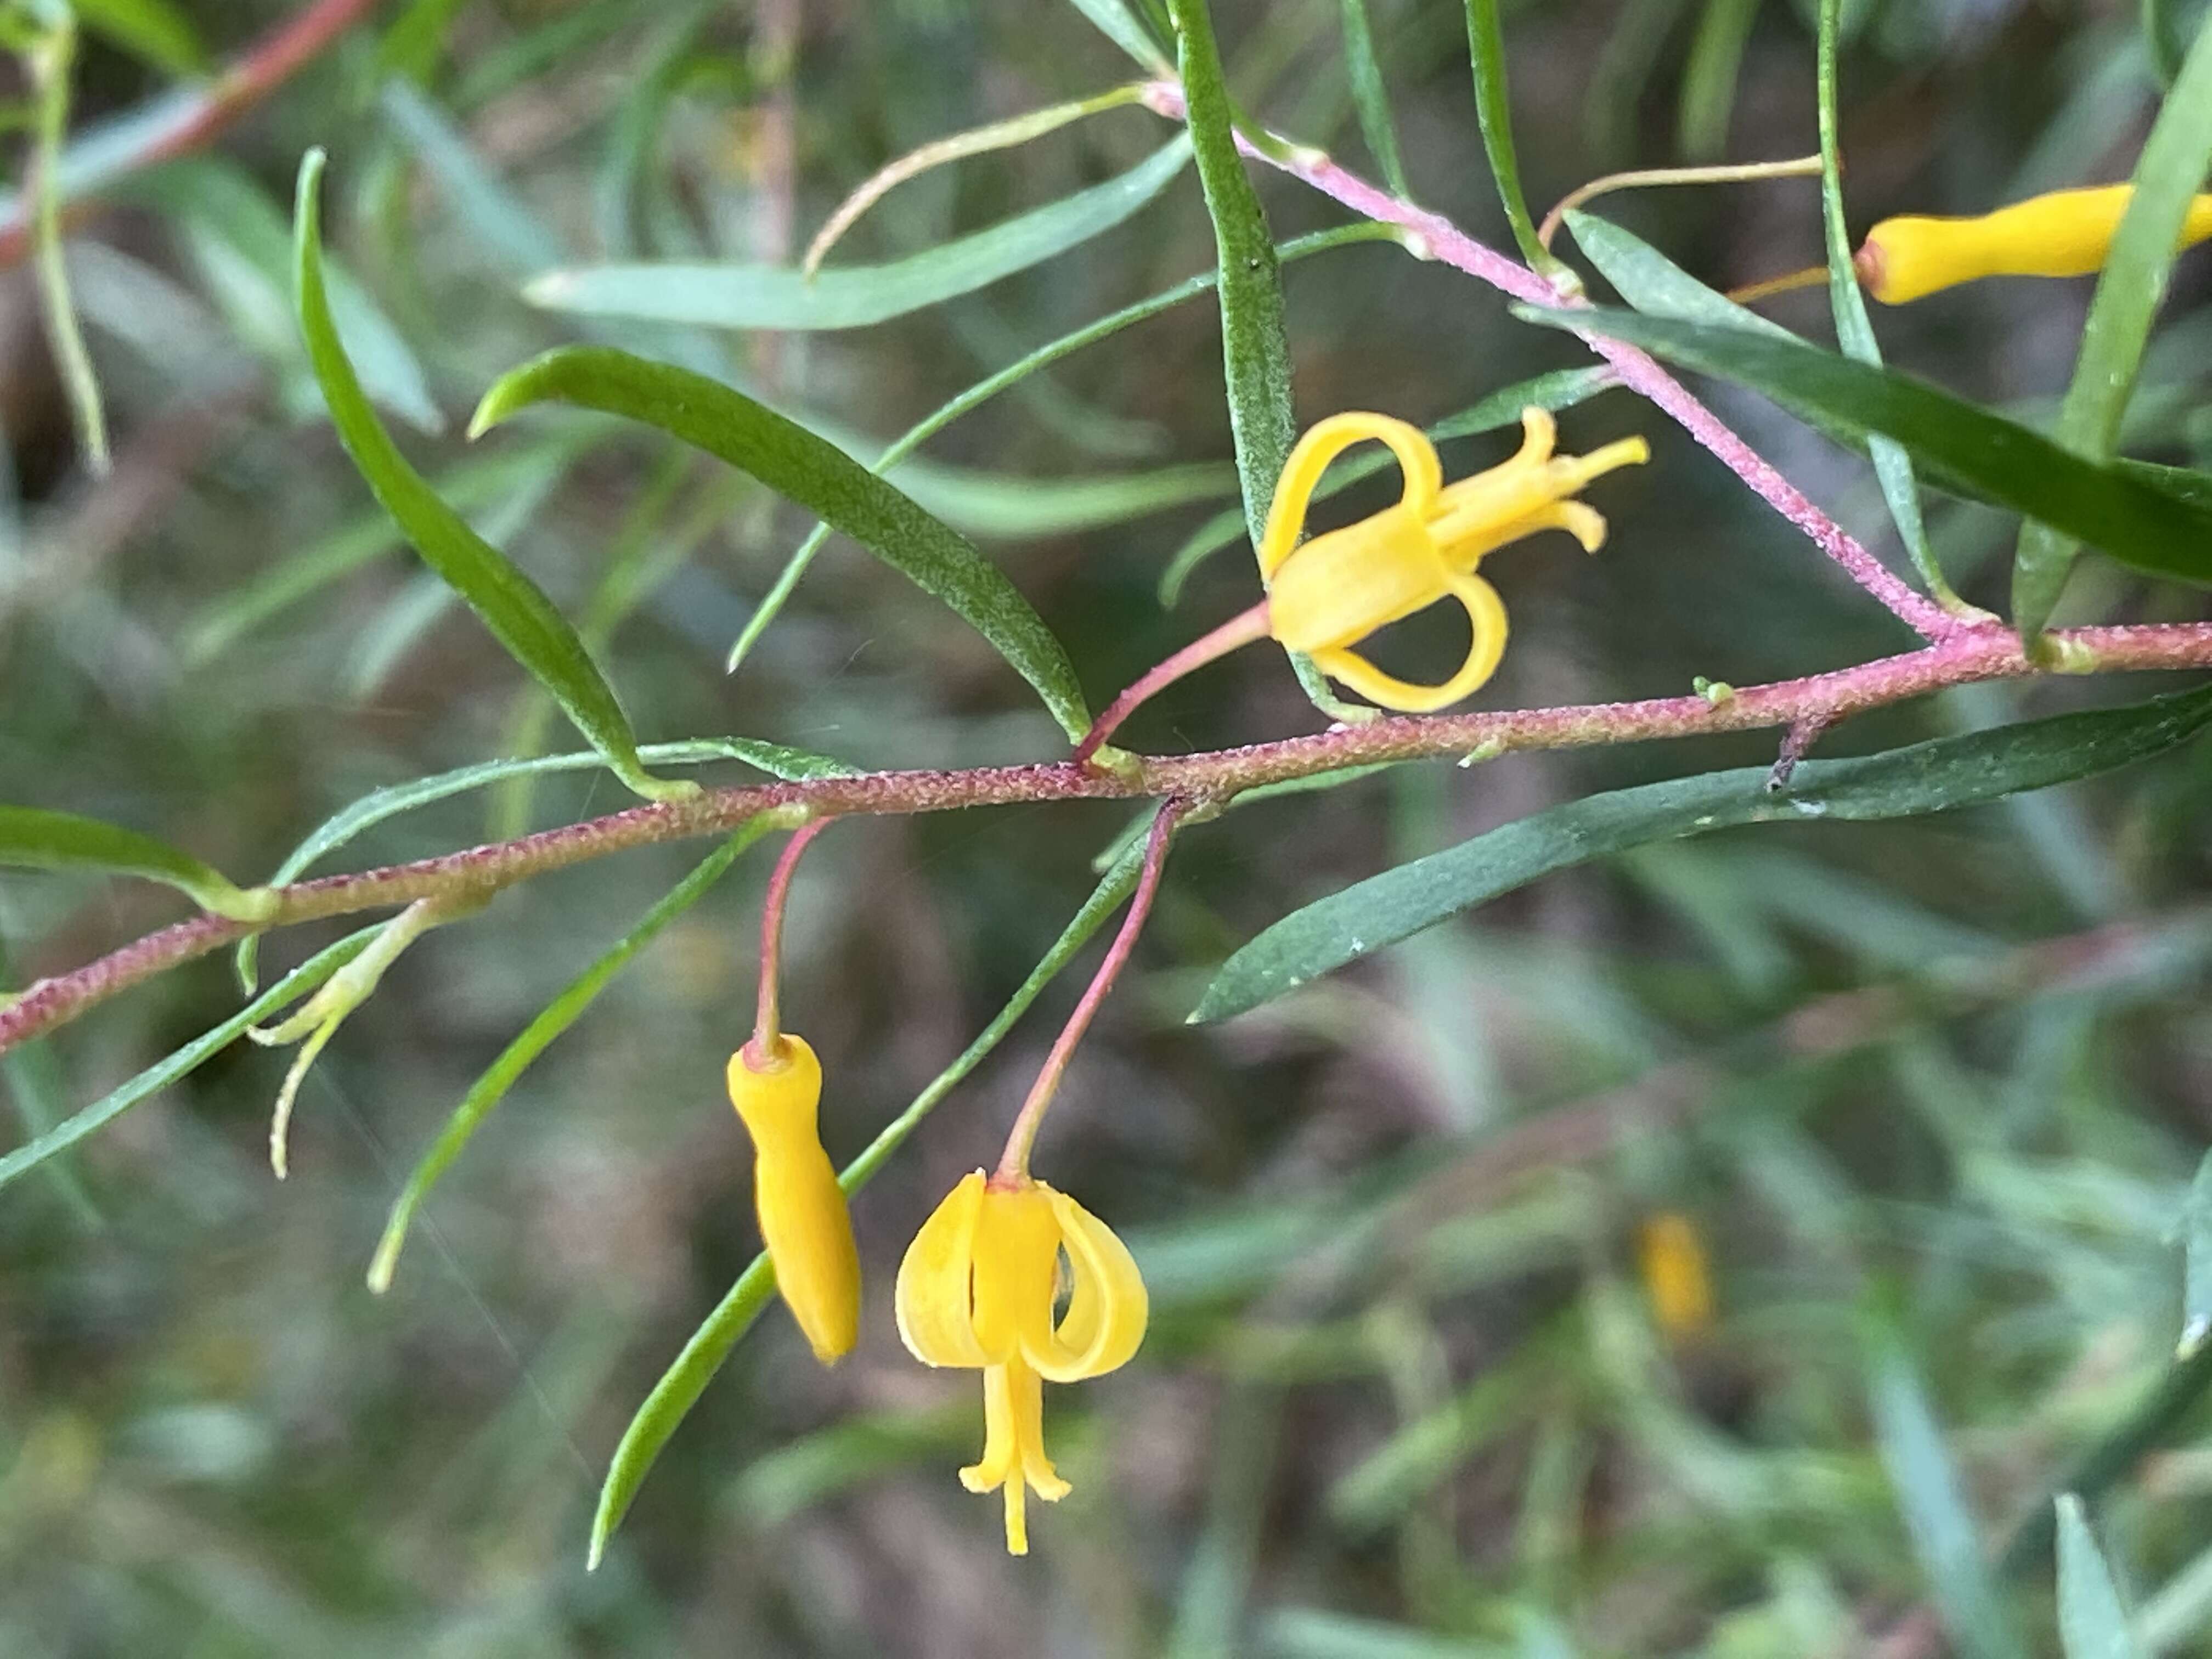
x: 1014, y: 1162
x: 1444, y: 240
x: 1968, y: 655
x: 197, y: 121
x: 767, y: 1036
x: 1240, y: 630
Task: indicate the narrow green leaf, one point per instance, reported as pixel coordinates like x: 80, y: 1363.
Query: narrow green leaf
x: 1255, y: 346
x: 788, y: 578
x: 1935, y: 776
x: 1560, y: 389
x: 1371, y: 97
x: 1710, y: 77
x: 1119, y: 24
x: 681, y: 1385
x: 2168, y: 174
x: 296, y: 984
x: 2121, y: 509
x: 489, y: 483
x: 1892, y: 467
x: 2091, y: 1623
x: 1943, y: 1532
x: 239, y: 239
x: 999, y: 504
x: 511, y: 605
x: 818, y: 475
x: 153, y: 31
x: 1654, y: 284
x: 34, y: 1083
x: 32, y: 839
x: 555, y: 1017
x: 417, y: 40
x: 2166, y: 32
x: 722, y: 295
x: 1493, y: 113
x: 2196, y: 1261
x: 777, y: 760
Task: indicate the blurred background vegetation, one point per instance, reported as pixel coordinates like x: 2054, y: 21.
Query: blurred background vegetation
x: 1929, y: 1094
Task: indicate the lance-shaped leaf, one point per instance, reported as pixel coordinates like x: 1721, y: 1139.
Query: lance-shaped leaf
x: 818, y: 475
x: 2121, y: 509
x: 33, y: 839
x: 851, y: 297
x: 1935, y: 776
x: 513, y: 607
x: 2093, y: 1624
x: 2168, y: 174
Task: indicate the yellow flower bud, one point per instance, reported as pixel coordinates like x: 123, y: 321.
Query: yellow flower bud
x: 803, y: 1217
x: 977, y: 1289
x: 2063, y: 233
x: 1676, y: 1274
x: 1327, y: 595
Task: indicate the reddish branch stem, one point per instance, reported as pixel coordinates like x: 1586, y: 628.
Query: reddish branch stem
x: 1454, y: 248
x: 201, y: 116
x: 1987, y: 653
x: 765, y: 1046
x: 1014, y: 1162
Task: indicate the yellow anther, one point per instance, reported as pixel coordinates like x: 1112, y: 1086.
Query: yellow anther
x: 1328, y: 594
x: 803, y: 1217
x: 2063, y: 233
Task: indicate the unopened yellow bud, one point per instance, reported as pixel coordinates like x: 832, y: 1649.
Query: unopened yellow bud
x: 2063, y: 233
x: 803, y: 1217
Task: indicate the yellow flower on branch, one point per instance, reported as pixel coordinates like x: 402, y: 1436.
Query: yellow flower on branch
x: 1677, y: 1274
x: 2063, y: 233
x: 803, y: 1218
x: 977, y: 1289
x: 1326, y: 595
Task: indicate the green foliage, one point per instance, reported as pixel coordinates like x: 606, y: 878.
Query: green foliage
x: 2092, y: 1622
x: 2171, y: 169
x: 854, y: 296
x: 514, y: 608
x: 2137, y: 516
x: 818, y: 475
x: 1940, y: 775
x: 31, y: 838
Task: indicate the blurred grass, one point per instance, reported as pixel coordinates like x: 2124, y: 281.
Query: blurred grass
x: 1404, y: 1394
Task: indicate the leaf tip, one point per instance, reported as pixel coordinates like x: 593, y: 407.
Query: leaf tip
x: 549, y: 290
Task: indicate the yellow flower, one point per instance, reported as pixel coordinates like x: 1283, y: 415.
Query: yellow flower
x: 977, y: 1289
x: 2064, y: 233
x: 1676, y: 1274
x: 1327, y: 595
x: 803, y: 1218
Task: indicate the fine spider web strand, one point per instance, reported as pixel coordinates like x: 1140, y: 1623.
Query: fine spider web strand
x: 427, y: 1226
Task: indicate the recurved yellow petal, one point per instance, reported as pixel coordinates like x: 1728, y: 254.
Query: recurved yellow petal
x: 934, y: 1302
x: 1107, y: 1305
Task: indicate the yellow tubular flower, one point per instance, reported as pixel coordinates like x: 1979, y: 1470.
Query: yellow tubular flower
x: 803, y: 1218
x: 977, y: 1288
x: 1327, y: 595
x: 1676, y: 1274
x: 2065, y: 233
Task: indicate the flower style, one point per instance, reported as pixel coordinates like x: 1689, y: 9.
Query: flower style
x: 2063, y: 233
x: 803, y: 1217
x: 977, y: 1289
x: 1327, y: 595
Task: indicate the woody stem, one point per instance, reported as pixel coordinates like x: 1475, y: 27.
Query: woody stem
x: 1240, y: 630
x: 768, y: 1036
x: 1014, y: 1162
